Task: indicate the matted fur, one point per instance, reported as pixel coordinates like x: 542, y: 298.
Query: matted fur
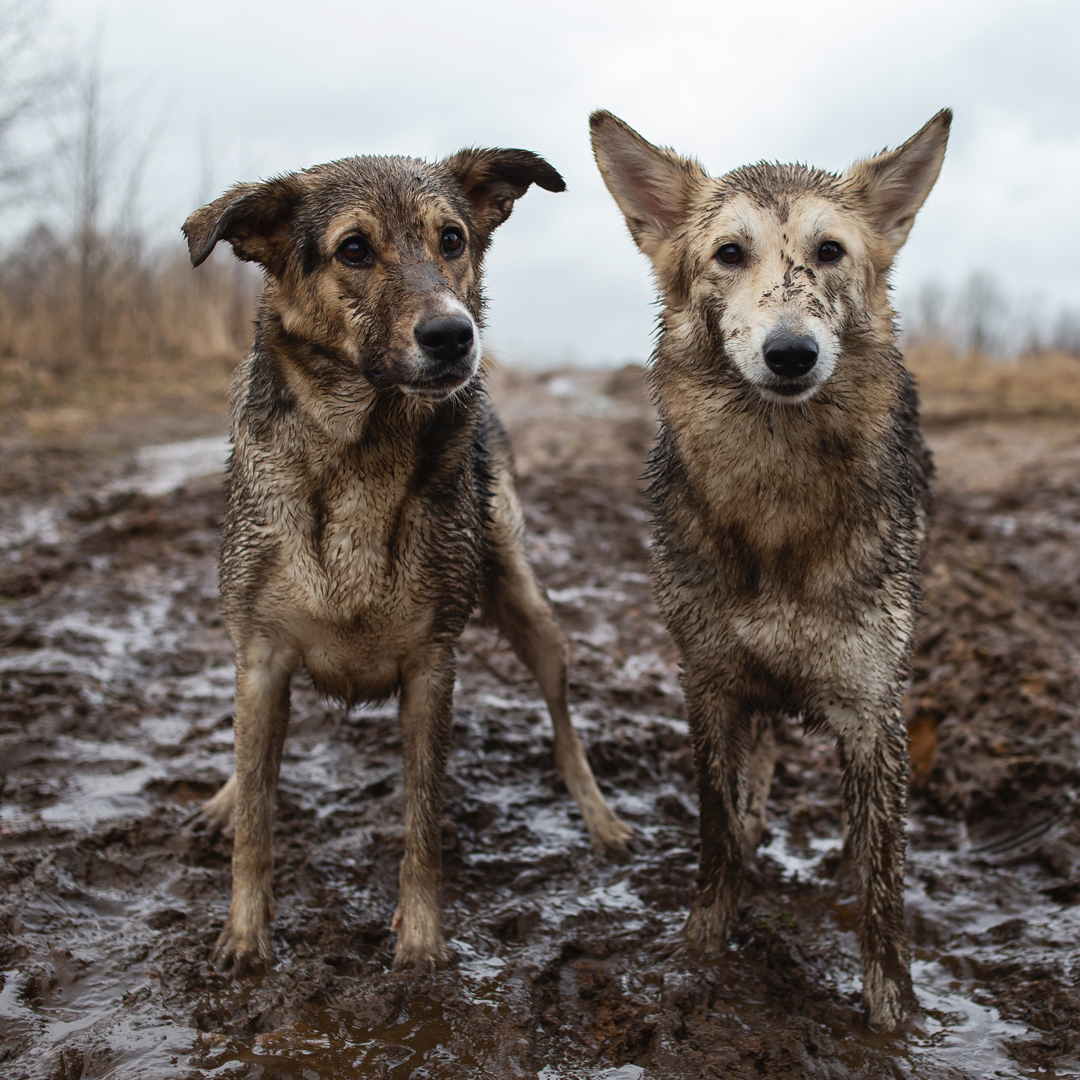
x: 790, y: 509
x: 371, y: 498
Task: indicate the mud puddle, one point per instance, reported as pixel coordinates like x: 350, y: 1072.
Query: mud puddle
x: 116, y: 722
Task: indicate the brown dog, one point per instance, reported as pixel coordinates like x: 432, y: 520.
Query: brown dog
x: 790, y: 488
x: 371, y: 498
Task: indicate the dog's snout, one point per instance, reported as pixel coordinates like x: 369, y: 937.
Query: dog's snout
x: 790, y: 355
x: 447, y: 339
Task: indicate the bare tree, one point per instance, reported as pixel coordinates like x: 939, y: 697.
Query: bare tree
x: 106, y: 162
x: 982, y: 308
x: 928, y: 313
x: 31, y: 84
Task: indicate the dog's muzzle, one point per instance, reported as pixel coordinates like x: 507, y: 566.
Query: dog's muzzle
x: 448, y: 347
x: 790, y: 358
x: 790, y: 355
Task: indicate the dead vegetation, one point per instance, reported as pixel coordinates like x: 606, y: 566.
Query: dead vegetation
x: 163, y: 341
x: 969, y: 387
x: 169, y: 337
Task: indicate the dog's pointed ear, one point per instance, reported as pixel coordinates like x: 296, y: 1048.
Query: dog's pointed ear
x: 493, y: 180
x: 254, y: 218
x: 652, y: 185
x: 895, y: 183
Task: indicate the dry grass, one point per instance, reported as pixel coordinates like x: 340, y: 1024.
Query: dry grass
x: 142, y: 345
x: 957, y: 389
x: 136, y: 338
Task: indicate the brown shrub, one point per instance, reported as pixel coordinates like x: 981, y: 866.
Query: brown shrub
x: 85, y: 340
x: 956, y: 388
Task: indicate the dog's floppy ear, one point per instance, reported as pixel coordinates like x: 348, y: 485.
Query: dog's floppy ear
x: 493, y: 180
x: 254, y: 218
x: 652, y: 185
x: 895, y: 183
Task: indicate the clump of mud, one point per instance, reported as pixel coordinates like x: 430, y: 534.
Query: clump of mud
x: 116, y: 721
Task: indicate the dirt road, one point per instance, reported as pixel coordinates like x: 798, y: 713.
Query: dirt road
x: 116, y: 722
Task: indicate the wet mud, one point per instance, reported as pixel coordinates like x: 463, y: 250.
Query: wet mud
x: 115, y: 722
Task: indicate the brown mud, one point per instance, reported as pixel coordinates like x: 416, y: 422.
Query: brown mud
x: 116, y: 722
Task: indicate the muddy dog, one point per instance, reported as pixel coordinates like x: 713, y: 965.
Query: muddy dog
x: 371, y: 497
x: 791, y: 495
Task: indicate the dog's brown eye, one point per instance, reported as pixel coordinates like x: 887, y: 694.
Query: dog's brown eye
x: 355, y: 251
x: 452, y: 243
x: 731, y: 254
x: 830, y: 251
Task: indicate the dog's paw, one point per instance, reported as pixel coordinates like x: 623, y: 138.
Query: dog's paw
x: 755, y: 833
x: 420, y: 942
x: 889, y: 1001
x: 610, y: 835
x: 239, y: 954
x: 709, y: 925
x: 218, y: 814
x: 416, y: 955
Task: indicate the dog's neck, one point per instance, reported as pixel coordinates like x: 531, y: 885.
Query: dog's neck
x: 779, y: 470
x: 327, y: 402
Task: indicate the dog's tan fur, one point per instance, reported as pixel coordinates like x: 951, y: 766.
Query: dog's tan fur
x: 791, y: 502
x: 372, y: 503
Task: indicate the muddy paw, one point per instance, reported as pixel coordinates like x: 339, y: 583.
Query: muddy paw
x: 416, y: 956
x: 889, y: 1002
x: 755, y: 834
x: 239, y: 954
x: 610, y: 835
x: 709, y: 925
x: 422, y: 946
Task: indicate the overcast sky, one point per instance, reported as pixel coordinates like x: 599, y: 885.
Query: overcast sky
x: 240, y: 90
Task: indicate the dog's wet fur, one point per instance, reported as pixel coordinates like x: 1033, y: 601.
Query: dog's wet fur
x: 791, y: 495
x: 371, y: 497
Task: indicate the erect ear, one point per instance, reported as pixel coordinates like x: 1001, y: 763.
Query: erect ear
x: 652, y: 185
x: 254, y: 218
x: 896, y: 182
x: 493, y: 180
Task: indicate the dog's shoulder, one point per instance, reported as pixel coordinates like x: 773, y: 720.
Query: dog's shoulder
x: 261, y: 397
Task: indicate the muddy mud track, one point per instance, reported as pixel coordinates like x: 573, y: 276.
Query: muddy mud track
x: 115, y: 722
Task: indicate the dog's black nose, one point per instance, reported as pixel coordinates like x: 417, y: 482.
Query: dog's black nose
x: 445, y: 339
x: 790, y: 355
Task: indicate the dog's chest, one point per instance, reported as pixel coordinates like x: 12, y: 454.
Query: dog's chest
x: 798, y: 558
x: 351, y: 549
x: 352, y: 544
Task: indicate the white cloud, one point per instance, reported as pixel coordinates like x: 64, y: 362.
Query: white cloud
x: 274, y: 85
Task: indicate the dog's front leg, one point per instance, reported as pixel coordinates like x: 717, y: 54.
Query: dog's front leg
x: 873, y: 751
x: 762, y: 764
x: 425, y: 714
x: 519, y: 608
x: 720, y: 731
x: 260, y: 719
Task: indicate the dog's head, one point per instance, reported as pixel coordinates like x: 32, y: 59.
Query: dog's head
x: 375, y: 262
x: 782, y: 269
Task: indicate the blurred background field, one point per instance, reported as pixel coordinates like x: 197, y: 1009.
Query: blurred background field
x: 107, y: 333
x: 155, y: 357
x: 968, y: 387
